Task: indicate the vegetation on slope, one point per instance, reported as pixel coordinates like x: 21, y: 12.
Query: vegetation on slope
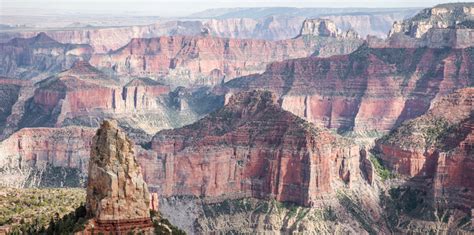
x: 28, y: 210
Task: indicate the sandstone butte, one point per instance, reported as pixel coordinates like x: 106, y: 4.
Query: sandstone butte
x: 211, y: 60
x: 28, y: 57
x: 117, y: 196
x: 251, y: 148
x: 437, y: 147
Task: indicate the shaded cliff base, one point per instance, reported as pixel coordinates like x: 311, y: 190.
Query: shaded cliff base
x: 400, y: 209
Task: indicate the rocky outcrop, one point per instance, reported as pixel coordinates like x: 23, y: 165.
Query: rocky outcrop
x: 116, y: 192
x: 325, y: 28
x: 369, y: 89
x: 437, y: 27
x: 210, y: 60
x: 437, y: 146
x: 26, y: 58
x: 251, y: 148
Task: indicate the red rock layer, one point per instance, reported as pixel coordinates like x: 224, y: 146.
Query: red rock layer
x: 370, y: 89
x: 35, y: 147
x: 438, y: 146
x: 251, y: 147
x: 218, y: 58
x: 84, y: 91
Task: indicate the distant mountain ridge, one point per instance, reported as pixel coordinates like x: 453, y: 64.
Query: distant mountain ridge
x: 260, y: 12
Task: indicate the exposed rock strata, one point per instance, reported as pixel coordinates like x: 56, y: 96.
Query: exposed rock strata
x: 46, y: 157
x: 251, y: 148
x: 438, y: 146
x: 210, y: 60
x: 369, y: 89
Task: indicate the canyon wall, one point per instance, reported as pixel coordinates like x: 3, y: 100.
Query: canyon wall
x: 369, y: 89
x: 207, y: 60
x: 437, y: 146
x: 251, y: 148
x: 46, y: 157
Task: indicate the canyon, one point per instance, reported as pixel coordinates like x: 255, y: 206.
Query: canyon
x: 370, y: 89
x: 322, y: 131
x: 276, y: 26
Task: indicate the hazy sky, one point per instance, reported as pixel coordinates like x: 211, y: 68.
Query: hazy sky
x: 169, y: 8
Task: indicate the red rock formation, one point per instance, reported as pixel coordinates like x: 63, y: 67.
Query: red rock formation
x: 35, y: 149
x: 370, y: 89
x: 117, y: 196
x: 209, y: 60
x: 251, y: 147
x: 438, y: 146
x: 83, y: 90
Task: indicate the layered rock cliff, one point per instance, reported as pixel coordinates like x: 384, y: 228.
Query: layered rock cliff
x: 437, y: 27
x: 210, y: 60
x: 437, y: 146
x: 369, y: 89
x: 45, y: 157
x: 26, y: 58
x: 251, y: 148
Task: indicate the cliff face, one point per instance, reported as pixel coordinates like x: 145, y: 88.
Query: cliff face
x: 251, y: 147
x: 84, y: 91
x: 210, y: 60
x: 437, y: 146
x: 440, y: 26
x: 26, y: 58
x: 369, y: 89
x: 46, y: 157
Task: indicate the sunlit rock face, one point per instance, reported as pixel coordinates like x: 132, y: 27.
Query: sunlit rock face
x: 251, y: 147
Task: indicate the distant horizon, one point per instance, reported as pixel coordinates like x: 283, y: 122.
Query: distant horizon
x: 184, y: 8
